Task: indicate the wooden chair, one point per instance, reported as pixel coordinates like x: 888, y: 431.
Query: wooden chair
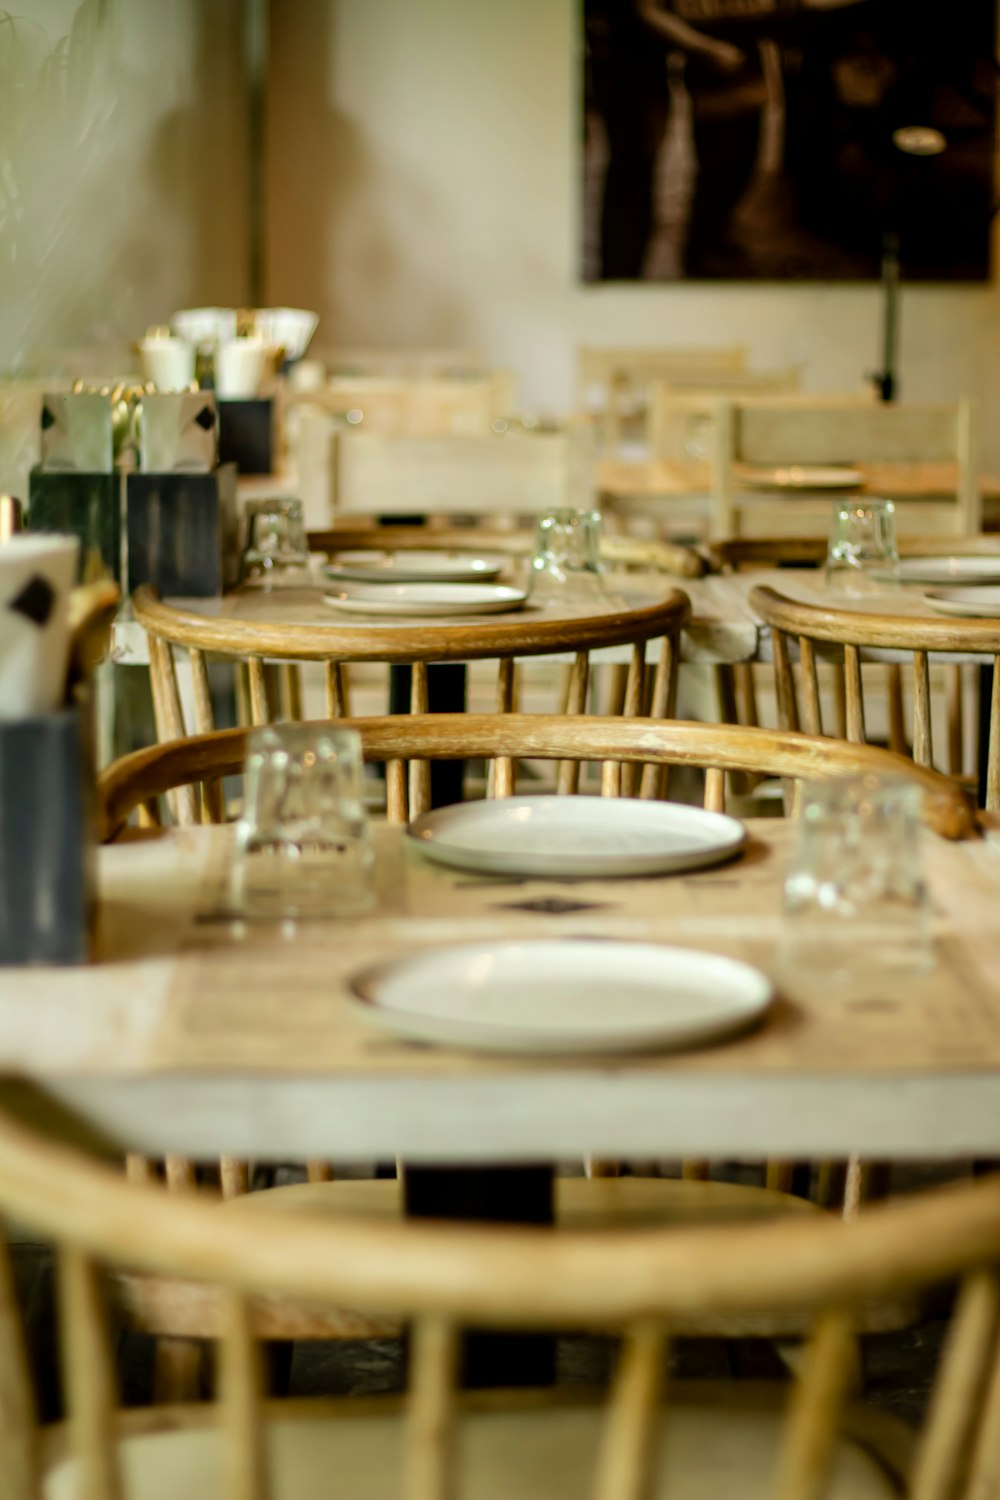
x: 648, y: 744
x: 346, y: 471
x: 930, y: 454
x: 850, y: 637
x: 503, y: 640
x: 737, y: 691
x: 681, y: 413
x: 613, y: 383
x: 792, y: 1442
x: 408, y: 363
x: 420, y: 405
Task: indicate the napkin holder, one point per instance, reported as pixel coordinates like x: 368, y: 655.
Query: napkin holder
x: 178, y: 433
x: 182, y: 531
x: 246, y: 433
x: 47, y: 836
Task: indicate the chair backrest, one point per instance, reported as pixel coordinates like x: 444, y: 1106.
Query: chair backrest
x: 648, y: 689
x: 639, y: 1285
x: 419, y: 406
x: 682, y: 414
x: 632, y: 752
x: 938, y: 444
x: 814, y: 632
x: 401, y: 362
x: 735, y: 553
x: 353, y: 472
x: 611, y: 381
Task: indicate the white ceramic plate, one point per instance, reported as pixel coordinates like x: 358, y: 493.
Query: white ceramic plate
x: 563, y: 996
x: 415, y: 567
x: 983, y: 602
x: 945, y: 570
x: 426, y: 599
x: 803, y: 477
x: 560, y: 836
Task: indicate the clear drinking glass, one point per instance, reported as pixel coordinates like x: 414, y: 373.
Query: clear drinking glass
x: 567, y: 557
x: 276, y: 552
x: 862, y: 553
x: 855, y: 903
x: 303, y: 844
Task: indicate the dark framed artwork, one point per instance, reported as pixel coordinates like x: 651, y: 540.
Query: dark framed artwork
x: 785, y: 139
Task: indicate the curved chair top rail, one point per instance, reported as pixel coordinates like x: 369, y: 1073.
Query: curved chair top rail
x: 848, y: 627
x: 727, y: 747
x: 730, y: 553
x: 518, y: 1276
x: 628, y: 551
x: 524, y: 635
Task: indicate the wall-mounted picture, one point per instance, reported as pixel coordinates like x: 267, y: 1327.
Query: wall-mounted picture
x: 787, y: 139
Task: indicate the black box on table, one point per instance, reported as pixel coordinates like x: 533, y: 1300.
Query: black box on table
x: 246, y: 434
x: 86, y: 504
x: 47, y: 837
x: 183, y: 532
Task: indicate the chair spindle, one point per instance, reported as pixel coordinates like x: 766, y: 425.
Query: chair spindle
x: 632, y: 1426
x: 430, y: 1430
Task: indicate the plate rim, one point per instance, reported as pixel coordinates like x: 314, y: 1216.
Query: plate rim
x: 505, y: 599
x: 495, y: 564
x: 478, y: 1036
x: 970, y: 581
x: 563, y: 866
x: 936, y: 598
x: 850, y: 477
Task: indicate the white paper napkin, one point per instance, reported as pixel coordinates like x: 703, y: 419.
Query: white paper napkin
x: 37, y: 573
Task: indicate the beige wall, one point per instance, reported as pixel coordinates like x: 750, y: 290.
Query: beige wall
x: 424, y: 172
x: 122, y: 171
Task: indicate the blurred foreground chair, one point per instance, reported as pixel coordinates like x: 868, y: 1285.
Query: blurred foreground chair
x: 787, y: 1442
x: 636, y: 752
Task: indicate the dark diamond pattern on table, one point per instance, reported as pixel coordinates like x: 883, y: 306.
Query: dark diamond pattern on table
x: 551, y: 906
x: 48, y: 420
x: 34, y: 601
x: 206, y: 418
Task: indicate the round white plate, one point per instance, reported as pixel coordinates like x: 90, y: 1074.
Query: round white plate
x: 415, y: 567
x: 803, y: 477
x: 426, y: 599
x: 563, y: 996
x: 560, y: 836
x: 983, y: 602
x: 945, y: 570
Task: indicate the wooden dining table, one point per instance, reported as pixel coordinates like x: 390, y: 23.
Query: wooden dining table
x: 193, y: 1033
x: 723, y: 628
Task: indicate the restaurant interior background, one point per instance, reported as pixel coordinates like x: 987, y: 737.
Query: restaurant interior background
x: 420, y: 185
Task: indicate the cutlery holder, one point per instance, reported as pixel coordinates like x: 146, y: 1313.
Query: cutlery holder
x: 88, y: 506
x: 47, y: 837
x: 183, y: 532
x: 246, y: 434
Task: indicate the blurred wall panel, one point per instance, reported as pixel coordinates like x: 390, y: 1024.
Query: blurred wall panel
x: 122, y: 174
